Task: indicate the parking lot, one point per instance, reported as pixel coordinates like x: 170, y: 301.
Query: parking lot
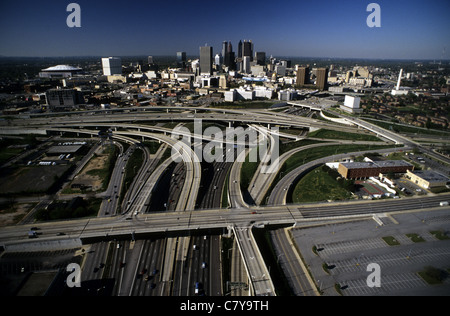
x: 338, y: 254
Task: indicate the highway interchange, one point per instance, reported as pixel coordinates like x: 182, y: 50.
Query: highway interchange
x: 190, y: 251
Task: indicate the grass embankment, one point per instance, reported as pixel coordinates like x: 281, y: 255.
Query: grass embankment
x: 311, y: 154
x: 320, y: 152
x: 321, y: 185
x: 330, y: 134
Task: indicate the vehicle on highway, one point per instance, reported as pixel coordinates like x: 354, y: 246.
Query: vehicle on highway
x: 198, y: 288
x: 444, y: 203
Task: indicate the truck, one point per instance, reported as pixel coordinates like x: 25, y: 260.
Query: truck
x: 444, y: 203
x: 32, y: 234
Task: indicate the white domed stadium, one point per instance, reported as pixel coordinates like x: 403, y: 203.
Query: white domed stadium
x: 59, y: 72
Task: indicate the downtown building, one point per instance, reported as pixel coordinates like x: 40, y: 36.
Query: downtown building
x: 63, y: 99
x: 60, y: 72
x: 322, y: 78
x: 112, y: 66
x: 302, y: 76
x: 206, y: 60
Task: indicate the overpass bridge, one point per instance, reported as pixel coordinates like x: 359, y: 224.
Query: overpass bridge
x: 240, y: 218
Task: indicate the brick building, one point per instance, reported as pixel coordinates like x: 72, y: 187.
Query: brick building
x: 358, y: 170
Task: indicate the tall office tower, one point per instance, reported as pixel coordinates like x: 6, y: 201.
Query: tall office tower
x: 302, y: 76
x: 260, y: 58
x: 247, y: 49
x: 226, y: 55
x: 150, y: 60
x: 239, y: 50
x: 218, y: 60
x: 181, y: 59
x: 206, y: 60
x: 224, y: 50
x: 112, y: 66
x: 322, y: 78
x: 246, y: 64
x: 229, y: 57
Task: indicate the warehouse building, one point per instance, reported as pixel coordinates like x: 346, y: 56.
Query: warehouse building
x: 362, y: 170
x: 427, y: 179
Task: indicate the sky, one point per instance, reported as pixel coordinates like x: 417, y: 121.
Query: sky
x: 410, y: 29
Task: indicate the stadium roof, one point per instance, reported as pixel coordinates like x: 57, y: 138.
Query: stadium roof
x: 62, y: 68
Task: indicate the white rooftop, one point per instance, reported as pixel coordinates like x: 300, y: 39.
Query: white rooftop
x: 62, y: 68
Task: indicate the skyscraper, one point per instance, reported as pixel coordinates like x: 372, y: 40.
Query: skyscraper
x: 302, y: 76
x: 206, y: 60
x: 112, y: 66
x: 181, y: 59
x: 322, y: 78
x: 229, y: 57
x: 239, y: 50
x: 247, y: 49
x: 260, y: 58
x: 246, y: 64
x: 224, y: 50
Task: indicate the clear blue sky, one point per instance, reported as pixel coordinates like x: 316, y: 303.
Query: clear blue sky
x: 410, y: 29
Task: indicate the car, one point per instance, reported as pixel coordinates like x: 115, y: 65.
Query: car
x: 203, y: 265
x: 198, y: 287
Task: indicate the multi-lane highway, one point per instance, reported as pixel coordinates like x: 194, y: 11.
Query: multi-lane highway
x: 187, y: 265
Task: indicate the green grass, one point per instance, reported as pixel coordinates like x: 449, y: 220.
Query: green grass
x: 311, y: 154
x: 439, y: 234
x: 319, y: 186
x: 399, y: 128
x: 248, y: 169
x: 8, y: 153
x: 415, y: 237
x: 391, y: 241
x: 433, y: 275
x: 330, y: 134
x: 285, y: 147
x: 319, y: 152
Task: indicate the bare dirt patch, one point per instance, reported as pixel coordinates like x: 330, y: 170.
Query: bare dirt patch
x: 12, y: 215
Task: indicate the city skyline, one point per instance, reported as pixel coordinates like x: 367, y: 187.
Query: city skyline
x: 327, y: 29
